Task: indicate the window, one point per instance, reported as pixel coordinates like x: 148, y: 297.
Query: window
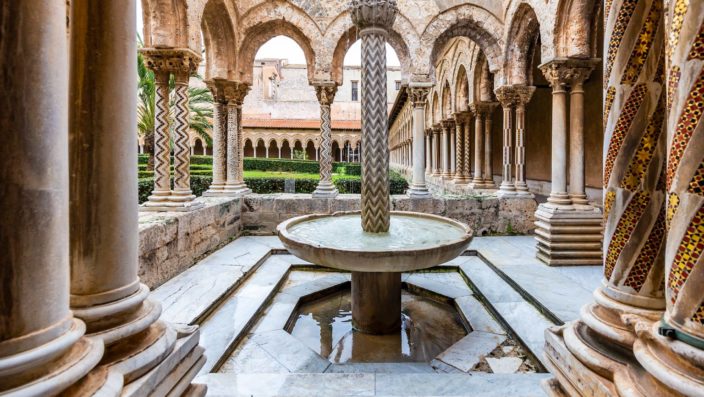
x: 398, y: 85
x: 355, y: 91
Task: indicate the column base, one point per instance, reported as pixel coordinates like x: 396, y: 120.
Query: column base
x: 171, y: 206
x: 216, y: 190
x: 559, y: 201
x: 236, y: 189
x: 568, y: 238
x: 325, y: 190
x: 419, y: 191
x: 461, y: 180
x: 376, y: 302
x: 51, y: 368
x: 675, y: 368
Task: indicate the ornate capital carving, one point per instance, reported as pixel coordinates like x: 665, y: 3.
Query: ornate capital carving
x: 180, y: 61
x: 448, y: 124
x: 484, y: 108
x: 236, y: 91
x: 561, y: 72
x: 418, y: 96
x: 506, y: 95
x: 326, y: 93
x: 379, y: 14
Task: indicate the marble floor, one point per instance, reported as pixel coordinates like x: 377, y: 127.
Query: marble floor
x: 245, y: 297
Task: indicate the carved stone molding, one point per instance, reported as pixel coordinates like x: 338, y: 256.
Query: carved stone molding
x: 378, y: 14
x: 325, y: 92
x: 171, y: 60
x: 559, y: 72
x: 418, y: 95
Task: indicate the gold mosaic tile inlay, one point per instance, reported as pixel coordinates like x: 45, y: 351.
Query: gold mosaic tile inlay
x: 646, y: 37
x: 626, y: 224
x: 687, y: 255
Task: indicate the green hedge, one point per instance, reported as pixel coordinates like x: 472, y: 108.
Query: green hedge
x: 199, y: 184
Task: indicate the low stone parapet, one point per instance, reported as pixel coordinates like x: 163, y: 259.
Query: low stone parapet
x: 485, y: 214
x: 171, y: 242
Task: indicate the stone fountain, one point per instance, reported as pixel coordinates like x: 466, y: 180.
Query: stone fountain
x: 376, y: 245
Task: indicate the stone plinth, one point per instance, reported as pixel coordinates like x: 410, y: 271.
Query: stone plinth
x: 568, y: 238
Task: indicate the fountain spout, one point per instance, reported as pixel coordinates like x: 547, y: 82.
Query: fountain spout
x: 374, y: 18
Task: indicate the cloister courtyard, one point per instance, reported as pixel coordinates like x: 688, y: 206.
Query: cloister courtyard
x: 352, y: 198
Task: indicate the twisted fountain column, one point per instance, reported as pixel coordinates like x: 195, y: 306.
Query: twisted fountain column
x: 326, y: 95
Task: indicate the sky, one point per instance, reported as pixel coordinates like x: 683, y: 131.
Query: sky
x: 284, y: 47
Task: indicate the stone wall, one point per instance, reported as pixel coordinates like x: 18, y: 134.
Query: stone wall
x: 486, y: 215
x: 169, y: 243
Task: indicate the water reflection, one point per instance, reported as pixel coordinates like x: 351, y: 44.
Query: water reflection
x: 428, y: 329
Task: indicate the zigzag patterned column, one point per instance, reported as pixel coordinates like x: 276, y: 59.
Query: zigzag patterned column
x: 596, y: 349
x: 182, y: 192
x: 673, y: 351
x: 460, y: 176
x: 219, y: 138
x: 326, y: 95
x: 235, y: 92
x: 162, y: 142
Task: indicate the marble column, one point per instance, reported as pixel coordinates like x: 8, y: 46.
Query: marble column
x: 479, y: 114
x: 507, y: 97
x: 181, y: 63
x: 235, y: 92
x: 326, y: 95
x: 428, y: 153
x: 446, y: 125
x: 597, y: 349
x: 467, y: 162
x: 106, y: 292
x: 577, y: 190
x: 42, y: 349
x: 461, y: 176
x: 488, y: 150
x: 524, y: 93
x: 672, y: 350
x: 436, y: 149
x: 453, y: 150
x: 418, y: 93
x: 217, y: 88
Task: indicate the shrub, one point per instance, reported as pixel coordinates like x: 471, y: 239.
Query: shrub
x: 282, y: 165
x: 199, y: 184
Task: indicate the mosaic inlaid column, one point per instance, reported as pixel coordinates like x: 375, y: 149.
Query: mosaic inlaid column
x: 42, y: 348
x: 672, y: 351
x: 488, y: 149
x: 479, y: 114
x: 467, y: 161
x: 507, y: 98
x: 235, y: 94
x: 106, y: 292
x: 418, y: 94
x: 219, y: 138
x: 461, y: 177
x: 523, y: 93
x: 326, y: 95
x: 597, y: 349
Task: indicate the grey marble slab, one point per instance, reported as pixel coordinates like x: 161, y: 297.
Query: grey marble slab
x: 493, y: 287
x: 308, y: 385
x: 290, y: 352
x: 527, y: 322
x: 448, y: 284
x: 477, y: 315
x: 475, y: 385
x: 229, y: 322
x: 250, y: 358
x: 380, y: 368
x: 276, y: 315
x: 468, y: 351
x: 311, y: 287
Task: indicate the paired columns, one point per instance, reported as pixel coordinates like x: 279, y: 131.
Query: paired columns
x: 326, y: 95
x: 514, y: 98
x: 78, y: 193
x: 483, y: 174
x: 462, y: 146
x: 181, y: 63
x: 418, y: 93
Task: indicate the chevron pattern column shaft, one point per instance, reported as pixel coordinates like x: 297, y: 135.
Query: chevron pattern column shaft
x: 182, y: 152
x: 467, y: 160
x: 460, y: 176
x: 162, y: 145
x: 375, y: 161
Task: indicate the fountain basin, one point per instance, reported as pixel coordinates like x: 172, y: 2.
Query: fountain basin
x: 415, y: 241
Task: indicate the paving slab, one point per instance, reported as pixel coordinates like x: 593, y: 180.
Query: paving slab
x: 504, y: 365
x: 251, y: 358
x: 380, y: 368
x: 475, y: 385
x: 468, y: 351
x: 449, y: 284
x: 491, y: 286
x: 477, y: 315
x: 309, y: 385
x: 290, y: 352
x: 527, y: 323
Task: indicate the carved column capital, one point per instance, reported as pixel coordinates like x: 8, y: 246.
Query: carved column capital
x: 182, y: 62
x: 447, y: 124
x: 560, y: 72
x: 418, y: 94
x: 325, y: 92
x: 507, y: 96
x: 484, y: 108
x: 236, y: 91
x: 378, y: 14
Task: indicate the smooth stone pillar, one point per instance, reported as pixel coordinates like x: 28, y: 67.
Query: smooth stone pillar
x: 418, y: 93
x: 478, y: 180
x: 326, y: 94
x: 436, y: 150
x: 488, y: 150
x: 507, y: 97
x: 576, y: 189
x: 445, y: 150
x: 453, y: 151
x: 42, y: 348
x: 376, y: 302
x: 523, y: 93
x: 428, y: 153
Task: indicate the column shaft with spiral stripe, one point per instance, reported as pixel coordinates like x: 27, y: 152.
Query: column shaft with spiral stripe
x: 182, y: 152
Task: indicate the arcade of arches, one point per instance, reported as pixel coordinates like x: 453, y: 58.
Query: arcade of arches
x: 501, y: 102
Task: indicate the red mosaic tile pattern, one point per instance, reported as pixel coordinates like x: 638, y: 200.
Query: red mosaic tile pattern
x: 625, y: 119
x: 672, y: 80
x: 646, y: 149
x: 689, y: 251
x: 686, y: 124
x: 622, y: 20
x: 629, y: 219
x: 608, y: 102
x: 641, y: 49
x: 676, y: 21
x: 698, y: 316
x: 607, y: 8
x: 697, y: 50
x: 673, y: 203
x: 650, y: 251
x: 696, y: 185
x: 608, y: 203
